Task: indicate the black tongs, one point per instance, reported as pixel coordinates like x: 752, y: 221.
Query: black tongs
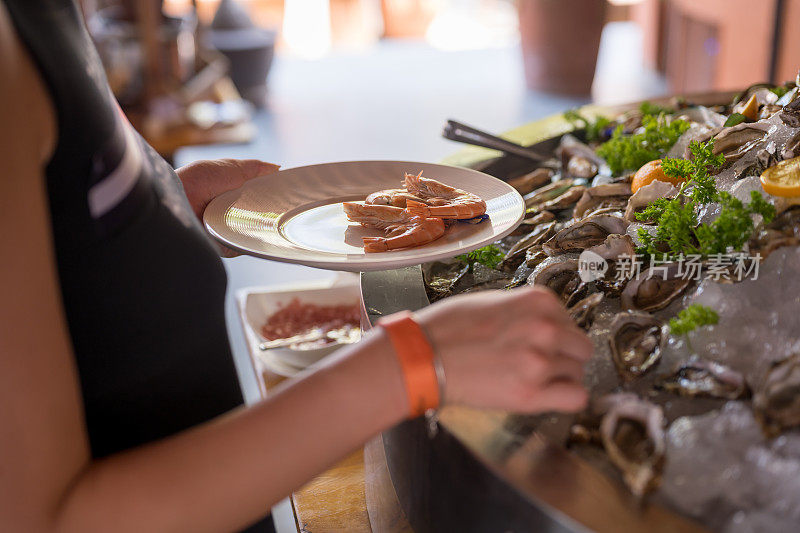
x: 456, y: 131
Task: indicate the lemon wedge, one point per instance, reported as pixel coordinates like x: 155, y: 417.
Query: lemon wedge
x: 782, y: 179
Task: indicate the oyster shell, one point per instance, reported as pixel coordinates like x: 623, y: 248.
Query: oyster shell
x: 647, y: 195
x: 614, y: 247
x: 562, y: 277
x: 735, y: 141
x: 783, y: 231
x: 578, y: 160
x: 565, y: 200
x: 654, y: 288
x: 517, y: 252
x: 635, y: 340
x: 607, y: 195
x: 532, y: 180
x: 584, y: 233
x: 581, y: 167
x: 777, y: 401
x: 632, y: 433
x: 699, y: 377
x: 612, y: 250
x: 582, y: 311
x: 546, y: 193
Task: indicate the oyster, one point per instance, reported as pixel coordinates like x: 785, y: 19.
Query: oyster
x: 635, y: 340
x: 647, y: 195
x: 698, y: 377
x: 517, y: 252
x: 578, y: 160
x: 541, y: 217
x: 546, y: 193
x: 607, y: 195
x: 582, y: 311
x: 562, y: 277
x: 581, y: 167
x: 565, y: 200
x: 783, y: 231
x: 632, y: 433
x: 777, y: 401
x: 735, y: 141
x: 792, y: 147
x: 654, y: 288
x: 532, y: 180
x: 614, y: 247
x: 441, y: 277
x: 584, y: 233
x: 791, y: 111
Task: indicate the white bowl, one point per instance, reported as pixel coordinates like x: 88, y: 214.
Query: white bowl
x: 256, y: 304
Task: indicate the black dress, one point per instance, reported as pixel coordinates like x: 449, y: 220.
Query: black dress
x: 142, y: 286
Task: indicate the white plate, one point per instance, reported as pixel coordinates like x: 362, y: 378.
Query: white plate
x: 258, y: 303
x: 296, y: 215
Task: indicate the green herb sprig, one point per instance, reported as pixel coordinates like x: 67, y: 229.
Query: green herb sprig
x: 629, y: 152
x: 649, y: 108
x: 691, y: 318
x: 678, y: 232
x: 489, y: 256
x: 595, y: 129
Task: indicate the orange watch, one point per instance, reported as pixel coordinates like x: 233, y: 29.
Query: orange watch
x: 423, y: 372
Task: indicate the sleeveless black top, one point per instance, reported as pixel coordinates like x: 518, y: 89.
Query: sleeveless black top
x: 142, y: 286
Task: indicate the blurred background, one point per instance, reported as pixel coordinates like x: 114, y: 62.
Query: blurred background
x: 302, y: 81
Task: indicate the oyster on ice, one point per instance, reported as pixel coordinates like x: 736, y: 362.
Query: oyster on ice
x: 604, y: 196
x: 777, y: 401
x: 562, y: 277
x: 635, y: 340
x: 632, y: 432
x: 735, y: 141
x: 584, y: 233
x: 699, y: 377
x: 654, y: 288
x: 582, y: 311
x: 646, y: 196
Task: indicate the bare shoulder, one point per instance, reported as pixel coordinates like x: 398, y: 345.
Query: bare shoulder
x: 27, y: 118
x: 40, y: 403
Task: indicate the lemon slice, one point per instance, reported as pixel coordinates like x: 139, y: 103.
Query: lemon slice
x: 782, y: 179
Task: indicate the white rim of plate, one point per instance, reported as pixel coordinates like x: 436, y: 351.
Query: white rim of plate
x: 260, y: 232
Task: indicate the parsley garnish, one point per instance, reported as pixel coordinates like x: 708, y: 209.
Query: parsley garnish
x: 691, y: 318
x: 629, y: 152
x: 489, y: 256
x: 648, y: 108
x: 780, y: 91
x: 595, y: 129
x: 678, y: 231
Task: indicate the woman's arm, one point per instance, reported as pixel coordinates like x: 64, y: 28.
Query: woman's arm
x: 515, y: 351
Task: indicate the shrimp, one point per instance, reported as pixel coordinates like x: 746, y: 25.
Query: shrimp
x: 375, y: 216
x: 444, y: 201
x: 416, y: 232
x: 393, y: 197
x: 402, y: 228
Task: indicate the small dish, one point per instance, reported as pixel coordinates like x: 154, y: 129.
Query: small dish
x: 256, y: 304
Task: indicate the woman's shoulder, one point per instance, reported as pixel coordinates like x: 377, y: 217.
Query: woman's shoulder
x: 27, y: 118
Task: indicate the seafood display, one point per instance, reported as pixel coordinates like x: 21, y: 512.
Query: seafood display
x: 672, y: 235
x: 415, y: 215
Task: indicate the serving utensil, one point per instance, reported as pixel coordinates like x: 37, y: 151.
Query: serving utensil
x: 456, y: 131
x: 347, y: 335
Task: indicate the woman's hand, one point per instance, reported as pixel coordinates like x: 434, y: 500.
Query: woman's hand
x: 515, y: 350
x: 205, y: 180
